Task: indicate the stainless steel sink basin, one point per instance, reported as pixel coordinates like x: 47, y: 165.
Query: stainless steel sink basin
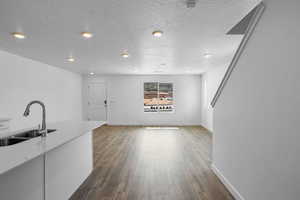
x: 11, y: 141
x: 21, y: 137
x: 33, y: 133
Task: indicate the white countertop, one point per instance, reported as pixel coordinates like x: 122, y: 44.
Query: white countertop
x: 15, y: 155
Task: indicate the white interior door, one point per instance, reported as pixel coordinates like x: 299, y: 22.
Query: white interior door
x: 97, y: 102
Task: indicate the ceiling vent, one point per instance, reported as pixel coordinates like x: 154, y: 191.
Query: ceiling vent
x: 191, y: 3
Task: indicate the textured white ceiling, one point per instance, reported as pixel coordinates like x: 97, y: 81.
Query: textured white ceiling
x: 53, y: 30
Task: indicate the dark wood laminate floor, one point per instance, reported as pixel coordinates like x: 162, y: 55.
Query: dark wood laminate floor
x: 136, y: 163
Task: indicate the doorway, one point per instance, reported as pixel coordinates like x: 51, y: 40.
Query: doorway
x: 97, y: 102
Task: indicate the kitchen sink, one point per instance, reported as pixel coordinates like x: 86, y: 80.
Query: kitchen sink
x: 11, y: 141
x: 33, y: 133
x: 21, y: 137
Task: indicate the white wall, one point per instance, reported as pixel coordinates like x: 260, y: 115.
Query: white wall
x: 125, y: 100
x: 23, y: 80
x: 257, y: 118
x: 210, y: 83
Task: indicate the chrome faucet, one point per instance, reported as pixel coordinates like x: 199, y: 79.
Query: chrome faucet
x: 43, y: 130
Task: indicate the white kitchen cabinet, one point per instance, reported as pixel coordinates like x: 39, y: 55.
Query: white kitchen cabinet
x: 67, y: 167
x: 24, y: 182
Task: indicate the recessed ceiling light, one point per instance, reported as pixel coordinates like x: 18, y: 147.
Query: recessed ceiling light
x: 92, y: 73
x: 18, y: 35
x: 71, y: 59
x: 207, y: 55
x: 125, y: 55
x: 87, y: 35
x: 157, y: 33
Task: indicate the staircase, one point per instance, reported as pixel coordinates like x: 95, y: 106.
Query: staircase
x: 246, y: 27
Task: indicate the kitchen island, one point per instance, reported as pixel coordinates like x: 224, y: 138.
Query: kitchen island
x: 51, y: 167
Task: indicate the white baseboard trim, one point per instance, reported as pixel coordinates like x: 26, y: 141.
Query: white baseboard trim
x: 227, y: 184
